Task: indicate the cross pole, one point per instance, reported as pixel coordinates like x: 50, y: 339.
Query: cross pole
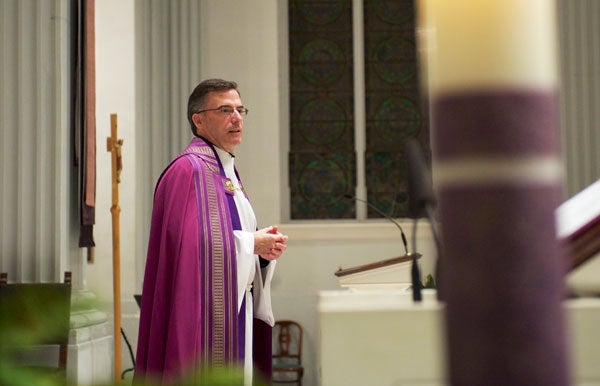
x: 113, y: 145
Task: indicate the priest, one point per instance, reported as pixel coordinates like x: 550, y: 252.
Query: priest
x: 206, y: 299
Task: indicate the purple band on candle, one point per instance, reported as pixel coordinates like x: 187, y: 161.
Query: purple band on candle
x: 503, y: 284
x: 503, y: 268
x: 496, y: 123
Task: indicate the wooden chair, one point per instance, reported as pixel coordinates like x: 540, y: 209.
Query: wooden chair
x: 287, y: 352
x: 34, y: 321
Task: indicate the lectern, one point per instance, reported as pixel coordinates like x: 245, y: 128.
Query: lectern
x: 578, y: 223
x: 392, y: 274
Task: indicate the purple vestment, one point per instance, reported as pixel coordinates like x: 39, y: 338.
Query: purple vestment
x: 189, y: 313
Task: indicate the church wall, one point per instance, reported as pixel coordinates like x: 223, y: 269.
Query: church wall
x: 114, y: 95
x: 244, y: 42
x: 248, y: 51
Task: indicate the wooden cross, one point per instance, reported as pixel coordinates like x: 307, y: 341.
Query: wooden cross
x: 113, y: 145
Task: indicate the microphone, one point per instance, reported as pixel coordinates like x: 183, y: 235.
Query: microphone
x: 420, y: 192
x: 388, y: 217
x: 420, y: 204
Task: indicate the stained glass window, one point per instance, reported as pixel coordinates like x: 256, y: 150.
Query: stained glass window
x: 394, y: 111
x: 322, y: 158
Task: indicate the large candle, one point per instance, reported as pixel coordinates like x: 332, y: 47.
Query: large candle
x: 484, y: 43
x: 492, y: 78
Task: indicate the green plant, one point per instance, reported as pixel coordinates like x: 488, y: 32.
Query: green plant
x: 429, y: 282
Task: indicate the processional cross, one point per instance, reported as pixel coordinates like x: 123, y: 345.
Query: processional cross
x: 113, y: 145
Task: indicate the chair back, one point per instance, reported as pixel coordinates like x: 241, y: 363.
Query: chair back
x: 34, y: 318
x: 287, y: 352
x: 288, y: 340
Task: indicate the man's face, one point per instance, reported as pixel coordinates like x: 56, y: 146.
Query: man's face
x: 222, y: 129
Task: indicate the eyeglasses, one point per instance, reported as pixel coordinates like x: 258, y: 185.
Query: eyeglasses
x: 227, y: 110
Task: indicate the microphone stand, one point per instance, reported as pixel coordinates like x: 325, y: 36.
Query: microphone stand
x: 421, y: 200
x: 386, y: 216
x: 438, y: 247
x: 414, y: 269
x: 415, y: 272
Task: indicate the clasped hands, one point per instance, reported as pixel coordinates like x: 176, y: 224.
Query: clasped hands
x: 269, y: 243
